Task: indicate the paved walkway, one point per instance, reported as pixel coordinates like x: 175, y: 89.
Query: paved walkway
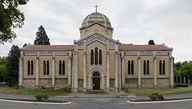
x: 82, y: 95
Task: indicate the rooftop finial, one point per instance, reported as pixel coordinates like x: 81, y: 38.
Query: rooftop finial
x: 96, y: 8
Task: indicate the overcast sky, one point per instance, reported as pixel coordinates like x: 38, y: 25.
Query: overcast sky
x: 134, y: 21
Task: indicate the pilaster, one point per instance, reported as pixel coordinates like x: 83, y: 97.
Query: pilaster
x: 123, y: 68
x: 155, y: 69
x: 116, y: 71
x: 69, y: 69
x: 53, y: 70
x: 171, y: 73
x: 37, y: 69
x: 21, y: 70
x: 139, y: 70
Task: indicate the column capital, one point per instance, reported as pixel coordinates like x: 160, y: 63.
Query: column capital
x: 75, y: 52
x: 139, y: 57
x: 116, y: 52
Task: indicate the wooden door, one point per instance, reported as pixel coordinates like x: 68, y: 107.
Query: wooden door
x: 96, y: 83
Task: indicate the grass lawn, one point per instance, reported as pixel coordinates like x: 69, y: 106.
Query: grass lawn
x: 29, y: 91
x: 148, y: 91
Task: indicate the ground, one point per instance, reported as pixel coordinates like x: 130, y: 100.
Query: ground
x: 96, y: 101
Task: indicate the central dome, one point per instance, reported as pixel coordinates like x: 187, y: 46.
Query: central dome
x: 96, y: 17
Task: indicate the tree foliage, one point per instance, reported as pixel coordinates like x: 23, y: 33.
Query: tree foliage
x: 151, y: 42
x: 3, y: 62
x: 41, y: 37
x: 184, y: 69
x: 10, y: 17
x: 13, y: 66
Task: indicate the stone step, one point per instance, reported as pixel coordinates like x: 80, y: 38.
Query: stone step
x: 96, y: 92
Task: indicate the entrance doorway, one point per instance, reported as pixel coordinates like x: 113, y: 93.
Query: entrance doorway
x: 96, y: 81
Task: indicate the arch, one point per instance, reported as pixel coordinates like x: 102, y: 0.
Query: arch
x: 91, y: 73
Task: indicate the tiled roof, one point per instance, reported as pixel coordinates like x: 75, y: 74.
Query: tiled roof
x: 48, y: 47
x: 143, y: 47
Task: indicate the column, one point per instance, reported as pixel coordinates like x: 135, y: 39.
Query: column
x: 171, y: 73
x: 119, y: 74
x: 155, y: 72
x: 75, y: 72
x: 84, y: 72
x: 53, y: 70
x: 37, y: 70
x: 21, y: 71
x: 123, y: 69
x: 139, y: 71
x: 108, y: 71
x: 116, y: 71
x: 69, y: 70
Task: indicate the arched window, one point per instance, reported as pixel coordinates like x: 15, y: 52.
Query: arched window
x: 31, y: 67
x: 132, y: 67
x: 28, y: 68
x: 96, y: 56
x: 162, y: 67
x: 100, y: 57
x: 146, y: 67
x: 61, y: 67
x: 92, y: 57
x: 46, y: 67
x: 129, y: 68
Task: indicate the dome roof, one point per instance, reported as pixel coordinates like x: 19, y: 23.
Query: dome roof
x: 96, y: 17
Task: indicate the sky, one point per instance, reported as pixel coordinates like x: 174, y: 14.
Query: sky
x: 134, y: 21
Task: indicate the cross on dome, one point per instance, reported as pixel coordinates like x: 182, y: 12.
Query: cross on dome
x: 96, y: 8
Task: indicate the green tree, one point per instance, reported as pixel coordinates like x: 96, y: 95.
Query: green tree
x: 13, y: 66
x: 3, y: 62
x: 186, y: 69
x: 42, y: 38
x: 10, y: 17
x: 151, y: 42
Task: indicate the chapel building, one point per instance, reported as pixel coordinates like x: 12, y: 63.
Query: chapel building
x: 96, y: 61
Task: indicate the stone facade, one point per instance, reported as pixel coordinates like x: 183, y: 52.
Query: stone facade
x: 96, y: 62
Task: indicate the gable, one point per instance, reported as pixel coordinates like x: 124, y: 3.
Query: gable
x: 96, y: 37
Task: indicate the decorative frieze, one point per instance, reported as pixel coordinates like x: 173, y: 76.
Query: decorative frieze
x: 94, y: 37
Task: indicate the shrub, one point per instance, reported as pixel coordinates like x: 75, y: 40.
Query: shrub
x: 156, y: 97
x: 38, y: 97
x: 66, y: 89
x: 41, y: 97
